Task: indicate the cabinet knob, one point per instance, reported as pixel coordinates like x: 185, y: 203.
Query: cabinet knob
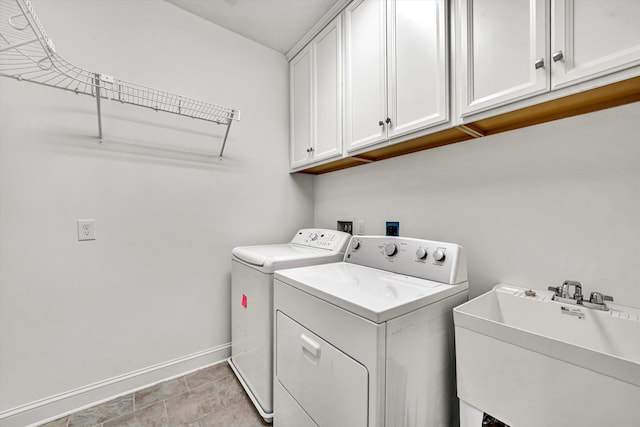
x: 380, y: 123
x: 388, y: 121
x: 310, y: 150
x: 558, y: 56
x: 539, y: 63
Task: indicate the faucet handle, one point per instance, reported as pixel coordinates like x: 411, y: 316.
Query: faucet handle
x: 598, y: 298
x: 555, y: 289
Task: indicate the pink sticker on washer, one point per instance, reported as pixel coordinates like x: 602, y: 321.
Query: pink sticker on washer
x: 244, y: 300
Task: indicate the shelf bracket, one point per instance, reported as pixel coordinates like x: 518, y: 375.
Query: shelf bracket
x: 224, y: 141
x: 98, y: 96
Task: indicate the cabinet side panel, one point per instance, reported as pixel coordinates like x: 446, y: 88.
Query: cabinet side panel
x: 421, y: 366
x: 252, y: 330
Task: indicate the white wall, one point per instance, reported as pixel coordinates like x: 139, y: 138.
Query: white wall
x: 154, y: 286
x: 532, y: 207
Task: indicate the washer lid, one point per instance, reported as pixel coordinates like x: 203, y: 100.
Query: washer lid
x: 374, y: 294
x: 269, y: 258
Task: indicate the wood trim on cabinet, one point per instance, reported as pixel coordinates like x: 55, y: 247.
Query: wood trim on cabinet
x: 343, y: 163
x: 612, y: 95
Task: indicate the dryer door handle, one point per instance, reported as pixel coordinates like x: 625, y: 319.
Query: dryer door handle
x: 312, y: 347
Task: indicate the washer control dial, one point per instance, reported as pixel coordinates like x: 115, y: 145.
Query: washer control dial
x: 313, y: 237
x: 391, y: 249
x: 355, y: 245
x: 421, y: 253
x: 438, y: 255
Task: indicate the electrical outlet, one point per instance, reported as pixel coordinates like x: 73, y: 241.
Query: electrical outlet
x: 393, y: 228
x: 86, y: 229
x: 346, y: 226
x: 360, y: 228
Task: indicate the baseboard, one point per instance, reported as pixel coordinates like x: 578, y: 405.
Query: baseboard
x: 53, y: 407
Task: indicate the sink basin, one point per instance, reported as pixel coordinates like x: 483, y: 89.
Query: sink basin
x: 531, y: 361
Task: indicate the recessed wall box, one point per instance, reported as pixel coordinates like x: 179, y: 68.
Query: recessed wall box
x: 346, y: 226
x: 393, y: 228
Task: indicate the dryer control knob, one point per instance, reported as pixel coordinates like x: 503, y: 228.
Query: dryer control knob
x: 313, y: 237
x: 421, y: 253
x: 391, y: 249
x: 355, y: 245
x: 438, y: 255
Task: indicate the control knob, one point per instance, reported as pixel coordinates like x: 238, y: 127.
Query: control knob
x: 438, y: 255
x: 421, y: 253
x: 391, y: 249
x: 355, y: 245
x: 313, y: 237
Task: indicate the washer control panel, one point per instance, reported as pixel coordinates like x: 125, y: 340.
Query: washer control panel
x: 426, y: 259
x: 332, y: 240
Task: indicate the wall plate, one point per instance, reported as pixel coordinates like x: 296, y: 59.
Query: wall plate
x: 86, y: 229
x: 393, y: 228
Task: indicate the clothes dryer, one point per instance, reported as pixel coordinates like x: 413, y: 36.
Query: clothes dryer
x: 252, y: 271
x: 369, y: 342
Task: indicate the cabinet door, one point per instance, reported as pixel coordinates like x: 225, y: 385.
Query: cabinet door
x: 499, y: 42
x: 327, y: 89
x: 595, y: 37
x: 365, y: 76
x: 417, y: 63
x: 301, y: 108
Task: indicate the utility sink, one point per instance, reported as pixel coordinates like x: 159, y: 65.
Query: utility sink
x: 531, y: 361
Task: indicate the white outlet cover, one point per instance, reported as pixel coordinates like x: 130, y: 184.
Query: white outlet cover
x: 360, y: 228
x: 86, y: 229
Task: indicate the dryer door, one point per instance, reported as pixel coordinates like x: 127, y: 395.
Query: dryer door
x: 329, y: 385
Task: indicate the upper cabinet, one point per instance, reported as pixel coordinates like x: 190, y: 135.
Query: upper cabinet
x: 501, y: 53
x: 374, y: 82
x: 591, y: 38
x: 316, y: 101
x: 508, y: 50
x: 396, y: 69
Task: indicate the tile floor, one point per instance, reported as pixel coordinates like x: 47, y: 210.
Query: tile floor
x: 211, y: 397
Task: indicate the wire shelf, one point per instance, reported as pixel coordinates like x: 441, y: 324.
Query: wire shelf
x: 27, y: 53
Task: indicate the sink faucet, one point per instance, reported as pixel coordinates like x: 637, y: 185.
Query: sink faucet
x: 564, y: 291
x: 563, y: 294
x: 577, y: 290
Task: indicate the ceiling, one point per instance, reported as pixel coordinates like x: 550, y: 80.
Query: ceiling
x: 277, y: 24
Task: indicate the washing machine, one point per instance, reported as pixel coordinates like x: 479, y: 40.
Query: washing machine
x: 369, y: 341
x: 252, y: 269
